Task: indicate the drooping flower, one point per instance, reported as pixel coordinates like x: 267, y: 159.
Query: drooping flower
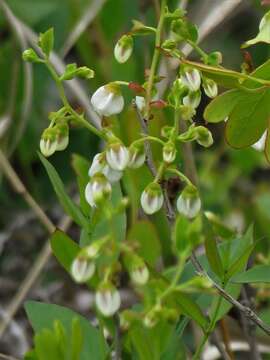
x: 203, y: 136
x: 210, y: 88
x: 193, y: 99
x: 169, y: 153
x: 99, y: 164
x: 108, y: 100
x: 191, y: 78
x: 82, y: 269
x: 97, y: 189
x: 117, y: 156
x: 108, y: 299
x: 123, y: 48
x: 136, y: 156
x: 48, y: 142
x: 152, y: 198
x: 189, y: 202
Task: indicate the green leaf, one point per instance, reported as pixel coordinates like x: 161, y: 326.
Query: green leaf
x: 211, y: 250
x: 118, y: 223
x: 145, y: 235
x: 46, y: 41
x: 221, y: 107
x: 186, y: 235
x: 264, y: 32
x: 248, y: 120
x: 191, y: 309
x: 240, y: 263
x: 43, y: 316
x: 64, y: 249
x: 257, y: 274
x: 69, y: 206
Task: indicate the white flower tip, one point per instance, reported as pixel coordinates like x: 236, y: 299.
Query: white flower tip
x: 82, y: 269
x: 108, y: 301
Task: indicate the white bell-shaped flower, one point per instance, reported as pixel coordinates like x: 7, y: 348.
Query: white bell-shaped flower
x: 152, y: 199
x: 192, y: 79
x: 97, y: 189
x: 136, y: 157
x: 210, y: 88
x: 48, y: 142
x: 169, y: 153
x: 189, y: 203
x: 108, y: 300
x: 99, y: 165
x: 140, y: 275
x: 140, y: 102
x: 82, y: 269
x: 117, y: 156
x: 193, y: 99
x: 123, y: 48
x: 260, y: 144
x: 108, y: 100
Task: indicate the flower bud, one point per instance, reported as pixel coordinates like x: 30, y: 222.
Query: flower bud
x: 152, y: 198
x: 203, y: 136
x: 191, y: 78
x: 169, y: 153
x: 117, y: 156
x: 193, y: 99
x: 187, y: 112
x: 82, y: 269
x: 48, y: 143
x: 123, y: 48
x: 152, y: 317
x: 136, y: 156
x: 140, y: 102
x: 111, y: 174
x: 108, y: 299
x: 260, y: 144
x: 137, y: 269
x: 108, y: 100
x: 189, y: 203
x: 210, y: 88
x: 97, y: 189
x: 30, y: 55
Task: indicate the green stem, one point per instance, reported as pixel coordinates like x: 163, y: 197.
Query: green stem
x: 180, y: 175
x: 148, y: 138
x: 199, y: 50
x: 64, y: 99
x: 209, y: 331
x: 155, y: 58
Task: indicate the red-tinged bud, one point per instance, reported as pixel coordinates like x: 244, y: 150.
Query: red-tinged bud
x: 137, y: 88
x: 158, y: 104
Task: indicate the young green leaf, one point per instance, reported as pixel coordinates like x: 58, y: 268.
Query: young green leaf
x: 46, y: 41
x: 43, y: 316
x: 257, y: 274
x: 64, y: 248
x: 69, y: 206
x: 190, y: 308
